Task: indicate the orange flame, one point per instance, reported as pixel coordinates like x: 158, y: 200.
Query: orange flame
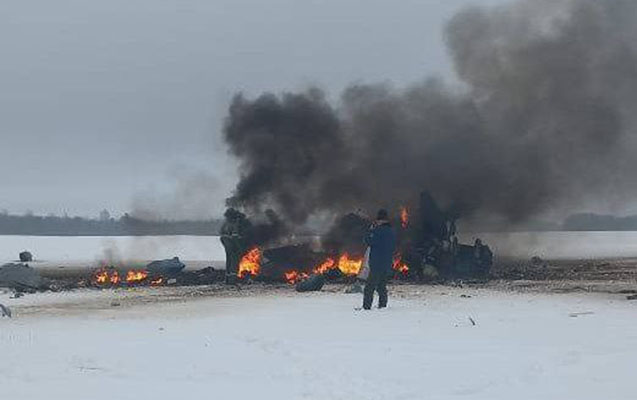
x: 399, y: 266
x: 325, y: 266
x: 101, y: 277
x: 294, y: 276
x: 115, y: 278
x: 157, y: 281
x: 105, y: 275
x: 110, y: 276
x: 135, y: 276
x: 250, y: 264
x: 349, y: 266
x: 404, y: 217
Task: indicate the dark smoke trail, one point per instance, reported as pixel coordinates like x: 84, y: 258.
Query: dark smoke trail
x: 547, y: 119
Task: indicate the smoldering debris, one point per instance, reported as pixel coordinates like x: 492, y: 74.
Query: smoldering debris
x: 545, y: 118
x: 312, y: 284
x: 25, y: 256
x: 20, y: 277
x: 168, y: 267
x: 5, y: 311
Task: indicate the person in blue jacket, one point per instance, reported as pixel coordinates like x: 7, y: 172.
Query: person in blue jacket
x: 381, y: 240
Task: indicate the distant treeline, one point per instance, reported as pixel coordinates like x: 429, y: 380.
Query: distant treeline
x: 597, y: 222
x: 125, y: 226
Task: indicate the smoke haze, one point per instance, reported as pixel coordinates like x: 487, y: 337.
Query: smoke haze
x: 544, y: 118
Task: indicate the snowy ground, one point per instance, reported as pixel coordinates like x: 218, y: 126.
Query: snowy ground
x: 288, y: 346
x: 52, y: 251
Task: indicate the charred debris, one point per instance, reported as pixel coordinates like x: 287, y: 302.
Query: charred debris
x: 428, y: 250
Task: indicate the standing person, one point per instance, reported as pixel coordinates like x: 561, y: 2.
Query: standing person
x: 234, y: 237
x: 381, y: 240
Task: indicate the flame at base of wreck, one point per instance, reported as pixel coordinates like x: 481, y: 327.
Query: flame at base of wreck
x: 135, y: 276
x: 250, y: 264
x: 110, y: 277
x: 400, y: 267
x: 350, y: 266
x: 293, y: 277
x: 344, y: 265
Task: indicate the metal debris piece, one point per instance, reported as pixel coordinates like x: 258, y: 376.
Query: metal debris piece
x: 312, y: 284
x: 577, y: 314
x: 5, y: 311
x: 26, y: 256
x: 20, y: 277
x: 168, y: 267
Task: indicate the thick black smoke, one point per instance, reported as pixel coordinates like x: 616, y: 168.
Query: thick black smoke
x: 546, y: 118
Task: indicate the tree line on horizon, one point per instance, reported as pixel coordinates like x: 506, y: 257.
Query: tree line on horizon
x: 126, y: 225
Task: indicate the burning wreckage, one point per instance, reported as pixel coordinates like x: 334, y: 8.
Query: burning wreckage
x: 21, y: 278
x: 428, y: 250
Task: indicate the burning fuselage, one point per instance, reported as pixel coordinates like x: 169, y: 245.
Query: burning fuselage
x: 426, y: 242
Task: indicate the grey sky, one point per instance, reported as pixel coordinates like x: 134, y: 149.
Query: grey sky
x: 115, y: 104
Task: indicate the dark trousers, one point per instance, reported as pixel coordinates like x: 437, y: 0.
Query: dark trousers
x: 234, y: 251
x: 376, y: 282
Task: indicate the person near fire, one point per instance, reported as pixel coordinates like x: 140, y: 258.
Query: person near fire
x: 381, y: 240
x: 234, y: 237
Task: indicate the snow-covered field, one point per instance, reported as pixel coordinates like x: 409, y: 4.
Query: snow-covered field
x: 75, y: 250
x: 87, y: 251
x: 316, y: 346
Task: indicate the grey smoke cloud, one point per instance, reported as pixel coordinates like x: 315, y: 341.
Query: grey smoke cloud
x: 100, y: 99
x: 545, y: 119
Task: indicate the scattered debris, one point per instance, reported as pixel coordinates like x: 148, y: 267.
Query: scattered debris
x: 355, y: 288
x: 26, y: 256
x: 20, y: 277
x: 312, y: 284
x: 577, y: 314
x: 5, y: 311
x: 465, y: 296
x: 169, y: 267
x: 205, y: 276
x: 632, y: 297
x: 472, y: 321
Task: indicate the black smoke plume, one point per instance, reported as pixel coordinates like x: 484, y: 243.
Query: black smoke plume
x: 545, y: 116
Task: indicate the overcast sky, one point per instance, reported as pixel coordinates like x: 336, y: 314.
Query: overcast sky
x: 118, y: 104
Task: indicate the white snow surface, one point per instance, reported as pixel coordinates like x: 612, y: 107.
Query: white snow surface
x: 93, y: 250
x: 317, y: 346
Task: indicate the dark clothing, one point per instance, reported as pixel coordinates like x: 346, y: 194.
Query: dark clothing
x: 375, y: 282
x: 382, y: 243
x: 234, y: 237
x: 235, y: 248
